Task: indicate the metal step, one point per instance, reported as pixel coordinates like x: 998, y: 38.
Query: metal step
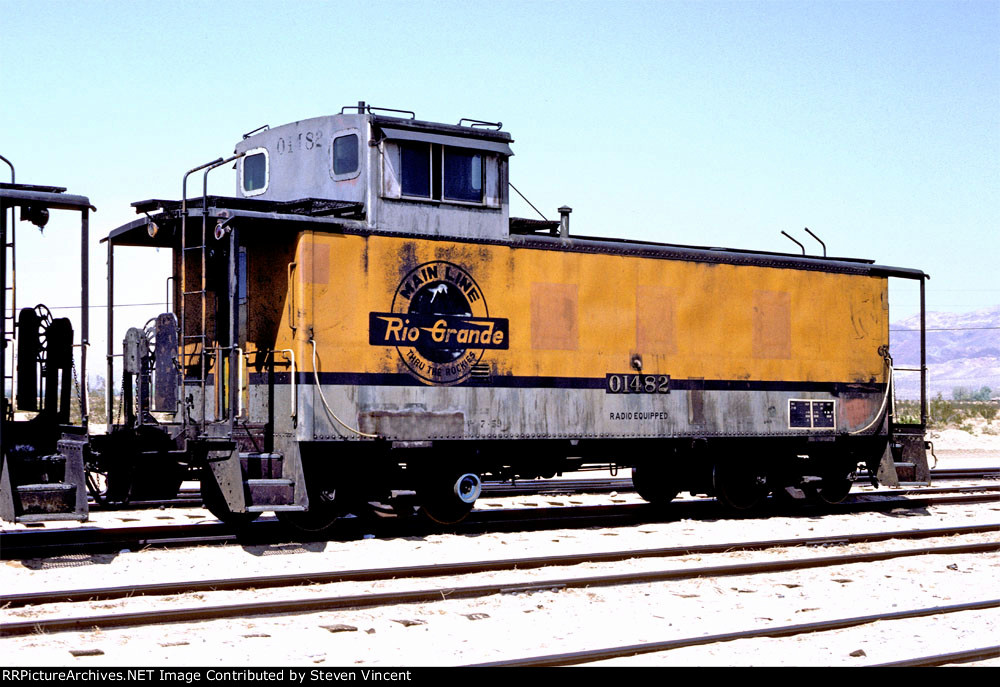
x: 270, y: 492
x: 46, y: 517
x: 215, y: 449
x: 45, y: 499
x: 261, y: 465
x: 290, y: 508
x: 906, y: 472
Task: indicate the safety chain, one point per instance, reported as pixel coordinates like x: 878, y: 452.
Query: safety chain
x: 121, y: 399
x: 79, y: 391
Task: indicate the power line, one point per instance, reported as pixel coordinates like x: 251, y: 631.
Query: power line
x: 117, y: 305
x: 135, y: 305
x: 947, y: 329
x: 929, y: 329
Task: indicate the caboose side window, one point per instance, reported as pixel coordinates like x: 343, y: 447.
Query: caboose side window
x: 415, y: 169
x: 463, y: 175
x: 453, y: 175
x: 255, y: 172
x: 345, y: 154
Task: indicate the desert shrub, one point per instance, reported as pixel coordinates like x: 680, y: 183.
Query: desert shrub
x: 96, y: 396
x: 943, y: 413
x: 961, y: 393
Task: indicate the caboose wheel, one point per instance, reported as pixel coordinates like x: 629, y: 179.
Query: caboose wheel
x: 314, y: 520
x: 448, y: 500
x: 831, y: 490
x: 324, y: 511
x: 654, y: 483
x: 445, y: 512
x: 739, y: 485
x: 215, y: 502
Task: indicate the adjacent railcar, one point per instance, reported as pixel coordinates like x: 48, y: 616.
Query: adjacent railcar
x: 43, y: 448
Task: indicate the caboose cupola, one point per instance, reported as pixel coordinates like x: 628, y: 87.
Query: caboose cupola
x: 406, y: 175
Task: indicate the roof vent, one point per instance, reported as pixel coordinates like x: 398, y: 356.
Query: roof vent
x: 564, y: 221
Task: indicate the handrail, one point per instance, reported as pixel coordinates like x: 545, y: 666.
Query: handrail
x: 789, y: 237
x: 480, y: 122
x: 291, y: 296
x: 251, y: 133
x: 217, y: 350
x: 292, y: 376
x: 362, y: 108
x: 221, y: 401
x: 11, y: 165
x: 818, y: 239
x: 240, y: 367
x: 183, y: 308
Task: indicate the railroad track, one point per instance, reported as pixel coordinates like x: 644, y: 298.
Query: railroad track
x: 441, y: 569
x: 30, y: 543
x: 192, y: 497
x: 604, y: 654
x: 596, y: 485
x: 206, y: 609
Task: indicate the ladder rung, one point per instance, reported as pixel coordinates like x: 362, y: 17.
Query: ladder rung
x: 194, y: 247
x: 192, y: 293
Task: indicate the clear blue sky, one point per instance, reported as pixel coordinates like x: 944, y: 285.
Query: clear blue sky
x: 875, y: 124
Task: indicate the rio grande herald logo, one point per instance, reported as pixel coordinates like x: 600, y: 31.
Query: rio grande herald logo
x: 439, y: 323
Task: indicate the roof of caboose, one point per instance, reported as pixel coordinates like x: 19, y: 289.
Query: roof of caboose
x: 265, y: 213
x: 52, y: 197
x: 342, y: 216
x: 397, y: 127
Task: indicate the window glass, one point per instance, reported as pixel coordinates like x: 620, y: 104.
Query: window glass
x: 415, y: 169
x: 254, y: 172
x: 242, y: 276
x: 345, y: 154
x: 463, y: 175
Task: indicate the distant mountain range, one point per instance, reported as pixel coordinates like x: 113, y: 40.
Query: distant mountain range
x: 963, y: 350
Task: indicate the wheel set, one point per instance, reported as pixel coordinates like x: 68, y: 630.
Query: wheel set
x: 742, y: 485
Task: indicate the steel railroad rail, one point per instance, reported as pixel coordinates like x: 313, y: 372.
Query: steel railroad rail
x: 594, y: 655
x: 599, y: 485
x: 370, y: 600
x: 30, y: 543
x: 442, y: 569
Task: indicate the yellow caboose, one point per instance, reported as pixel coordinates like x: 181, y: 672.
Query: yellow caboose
x: 364, y: 320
